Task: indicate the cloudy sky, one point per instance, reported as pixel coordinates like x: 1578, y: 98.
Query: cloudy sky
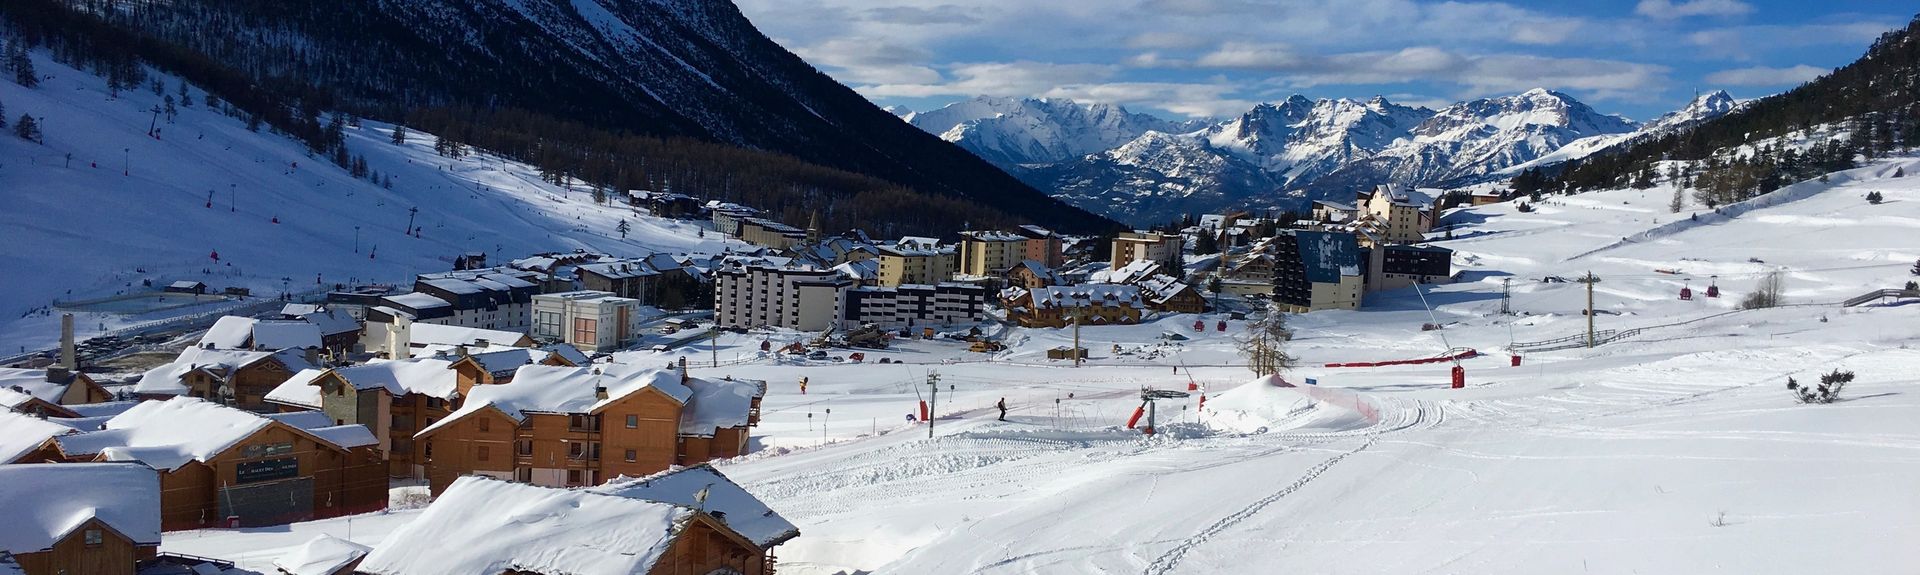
x: 1638, y: 58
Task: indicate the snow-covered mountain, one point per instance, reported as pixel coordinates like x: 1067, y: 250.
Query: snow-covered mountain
x: 1138, y: 168
x: 1703, y: 108
x: 1470, y: 140
x: 1012, y: 132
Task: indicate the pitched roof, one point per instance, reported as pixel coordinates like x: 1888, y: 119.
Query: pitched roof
x: 435, y: 334
x: 718, y: 403
x: 427, y: 376
x: 1086, y: 295
x: 229, y: 332
x: 284, y: 334
x: 530, y: 529
x: 34, y: 382
x: 559, y: 389
x: 299, y: 390
x: 166, y: 379
x: 20, y: 434
x: 726, y: 501
x: 323, y: 555
x: 124, y: 496
x: 168, y: 434
x: 567, y: 351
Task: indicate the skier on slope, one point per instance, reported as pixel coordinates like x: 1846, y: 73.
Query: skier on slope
x: 1003, y: 408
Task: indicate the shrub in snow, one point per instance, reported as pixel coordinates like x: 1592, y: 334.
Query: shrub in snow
x: 1913, y: 286
x: 1524, y: 207
x: 1828, y: 390
x: 1767, y: 294
x: 1874, y: 198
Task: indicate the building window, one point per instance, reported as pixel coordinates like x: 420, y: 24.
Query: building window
x: 573, y: 477
x: 585, y: 329
x: 632, y: 456
x: 523, y: 447
x: 633, y: 421
x: 94, y: 537
x: 486, y: 425
x: 481, y: 453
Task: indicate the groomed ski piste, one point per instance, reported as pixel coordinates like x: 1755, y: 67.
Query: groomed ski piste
x: 1677, y: 450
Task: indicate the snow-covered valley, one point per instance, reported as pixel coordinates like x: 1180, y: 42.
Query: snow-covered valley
x: 1678, y: 450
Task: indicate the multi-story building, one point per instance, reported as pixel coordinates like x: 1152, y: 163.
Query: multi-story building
x: 912, y: 263
x: 1129, y: 247
x: 590, y: 320
x: 491, y: 298
x: 219, y: 465
x: 727, y: 217
x: 580, y: 426
x: 1397, y: 266
x: 1062, y: 306
x: 796, y: 297
x: 769, y: 233
x: 916, y: 305
x: 1395, y: 214
x: 990, y: 254
x: 1316, y: 270
x: 1043, y: 245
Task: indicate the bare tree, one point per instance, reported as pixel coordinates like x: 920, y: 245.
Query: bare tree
x: 1767, y: 293
x: 1265, y: 344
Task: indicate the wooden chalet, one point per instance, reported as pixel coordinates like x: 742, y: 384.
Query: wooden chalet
x: 79, y: 518
x: 240, y: 378
x: 1062, y: 306
x: 54, y: 384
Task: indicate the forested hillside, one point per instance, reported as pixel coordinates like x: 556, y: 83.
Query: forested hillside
x: 654, y: 94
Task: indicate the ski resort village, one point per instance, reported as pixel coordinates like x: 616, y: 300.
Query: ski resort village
x: 438, y: 316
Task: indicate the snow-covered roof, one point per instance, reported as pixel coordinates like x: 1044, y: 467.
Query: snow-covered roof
x: 567, y: 351
x: 620, y: 269
x: 435, y: 334
x: 285, y: 334
x: 1039, y: 270
x: 21, y: 433
x: 186, y: 284
x: 168, y: 434
x: 859, y: 270
x: 508, y: 359
x: 102, y: 409
x: 43, y: 503
x: 1129, y: 273
x: 484, y: 525
x: 299, y: 390
x: 726, y: 501
x: 994, y: 236
x: 166, y: 379
x: 1099, y: 295
x: 298, y: 309
x: 323, y: 555
x: 1161, y: 288
x: 417, y: 300
x: 427, y: 376
x: 560, y: 389
x: 229, y: 332
x: 331, y: 321
x: 34, y: 382
x: 718, y: 403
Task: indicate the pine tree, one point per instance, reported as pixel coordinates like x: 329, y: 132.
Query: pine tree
x: 169, y: 109
x: 1205, y: 244
x: 623, y: 229
x: 1916, y: 267
x: 1874, y: 198
x: 186, y: 99
x: 3, y: 114
x: 1678, y: 201
x: 399, y: 135
x: 22, y: 64
x: 27, y: 129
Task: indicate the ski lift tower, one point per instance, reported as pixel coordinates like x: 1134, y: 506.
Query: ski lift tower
x: 1148, y: 396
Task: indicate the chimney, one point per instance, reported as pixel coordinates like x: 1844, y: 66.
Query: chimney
x: 481, y: 342
x: 683, y: 369
x: 400, y: 338
x: 68, y: 358
x: 460, y: 350
x: 313, y: 356
x: 58, y: 374
x: 600, y: 392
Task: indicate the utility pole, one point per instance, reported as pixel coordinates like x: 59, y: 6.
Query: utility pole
x: 715, y: 346
x: 1506, y: 296
x: 933, y: 401
x: 1590, y: 280
x: 411, y: 212
x: 1078, y: 312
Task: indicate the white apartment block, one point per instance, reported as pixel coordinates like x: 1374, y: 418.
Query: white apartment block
x: 802, y: 298
x: 590, y: 320
x: 916, y: 305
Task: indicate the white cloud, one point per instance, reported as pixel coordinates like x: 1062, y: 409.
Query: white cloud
x: 1019, y: 78
x: 1766, y: 76
x: 1668, y: 10
x: 1477, y: 74
x: 1744, y: 42
x: 1192, y: 100
x: 871, y: 61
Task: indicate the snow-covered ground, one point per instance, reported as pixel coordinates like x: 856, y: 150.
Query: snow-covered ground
x: 126, y: 207
x: 1676, y: 451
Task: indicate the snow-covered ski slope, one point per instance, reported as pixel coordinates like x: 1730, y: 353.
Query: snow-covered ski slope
x: 127, y: 202
x: 1677, y: 451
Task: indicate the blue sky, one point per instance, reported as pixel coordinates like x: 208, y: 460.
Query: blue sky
x: 1177, y: 58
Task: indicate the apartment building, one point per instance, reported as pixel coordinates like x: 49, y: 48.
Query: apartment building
x: 1129, y: 247
x: 580, y: 426
x: 912, y: 263
x: 990, y: 254
x: 916, y: 305
x: 796, y: 297
x: 1043, y: 245
x: 589, y: 320
x: 1316, y: 270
